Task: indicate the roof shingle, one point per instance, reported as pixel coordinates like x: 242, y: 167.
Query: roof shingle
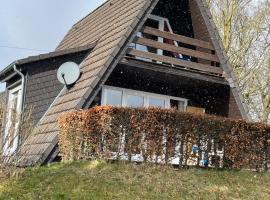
x: 109, y: 27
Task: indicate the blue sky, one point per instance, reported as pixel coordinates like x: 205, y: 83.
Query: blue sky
x: 37, y: 24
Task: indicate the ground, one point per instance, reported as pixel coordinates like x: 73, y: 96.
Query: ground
x: 101, y: 180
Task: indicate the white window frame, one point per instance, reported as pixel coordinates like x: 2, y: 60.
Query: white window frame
x: 9, y: 149
x: 146, y: 96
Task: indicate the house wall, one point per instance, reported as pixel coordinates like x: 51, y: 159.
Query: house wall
x: 199, y: 28
x: 178, y: 13
x: 201, y: 33
x: 186, y: 19
x: 234, y: 111
x: 211, y: 96
x: 42, y: 85
x: 180, y: 18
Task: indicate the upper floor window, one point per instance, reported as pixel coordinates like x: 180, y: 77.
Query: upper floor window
x: 115, y: 96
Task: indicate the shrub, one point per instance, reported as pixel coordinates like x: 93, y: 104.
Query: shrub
x: 163, y: 136
x: 7, y: 158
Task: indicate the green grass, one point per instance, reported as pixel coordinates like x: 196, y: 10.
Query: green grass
x: 100, y: 180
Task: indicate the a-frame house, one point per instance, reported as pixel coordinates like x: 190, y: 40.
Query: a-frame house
x: 163, y: 53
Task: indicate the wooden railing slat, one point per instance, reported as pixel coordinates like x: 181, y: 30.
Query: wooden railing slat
x: 175, y: 49
x: 179, y: 38
x: 175, y: 61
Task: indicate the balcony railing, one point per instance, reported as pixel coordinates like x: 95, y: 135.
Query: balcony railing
x: 194, y: 54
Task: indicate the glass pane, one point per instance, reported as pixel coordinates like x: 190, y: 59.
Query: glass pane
x: 141, y: 47
x: 114, y: 98
x: 15, y: 100
x: 178, y: 105
x: 12, y: 123
x: 174, y: 104
x: 155, y: 102
x: 181, y: 106
x: 134, y: 101
x: 13, y: 107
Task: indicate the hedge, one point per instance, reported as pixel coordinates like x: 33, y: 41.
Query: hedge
x: 163, y: 136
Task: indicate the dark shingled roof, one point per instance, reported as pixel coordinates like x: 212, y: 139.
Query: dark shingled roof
x: 112, y: 27
x: 56, y: 54
x: 44, y: 56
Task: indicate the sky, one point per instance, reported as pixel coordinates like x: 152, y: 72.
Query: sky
x: 38, y: 25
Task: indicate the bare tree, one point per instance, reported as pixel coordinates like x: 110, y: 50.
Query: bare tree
x: 244, y: 27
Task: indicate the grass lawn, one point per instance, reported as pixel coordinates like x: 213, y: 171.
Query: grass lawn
x: 100, y: 180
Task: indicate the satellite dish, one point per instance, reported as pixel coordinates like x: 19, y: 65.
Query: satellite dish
x: 68, y: 73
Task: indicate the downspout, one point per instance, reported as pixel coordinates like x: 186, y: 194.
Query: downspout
x: 23, y: 96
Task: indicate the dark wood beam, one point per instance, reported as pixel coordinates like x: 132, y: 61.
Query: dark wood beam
x: 174, y: 61
x: 179, y: 38
x: 171, y: 70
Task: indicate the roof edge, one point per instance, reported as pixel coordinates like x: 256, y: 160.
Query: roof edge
x: 130, y: 35
x: 46, y: 56
x: 79, y: 21
x: 95, y: 10
x: 56, y: 54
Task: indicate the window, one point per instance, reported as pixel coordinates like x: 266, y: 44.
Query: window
x: 135, y: 101
x: 132, y: 98
x: 11, y: 135
x: 156, y: 102
x: 113, y: 97
x: 179, y: 105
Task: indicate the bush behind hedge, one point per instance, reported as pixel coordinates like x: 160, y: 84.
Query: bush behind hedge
x: 95, y: 133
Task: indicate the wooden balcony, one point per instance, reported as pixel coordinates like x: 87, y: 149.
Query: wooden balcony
x: 196, y: 55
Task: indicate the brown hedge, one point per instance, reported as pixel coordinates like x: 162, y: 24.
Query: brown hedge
x: 95, y: 133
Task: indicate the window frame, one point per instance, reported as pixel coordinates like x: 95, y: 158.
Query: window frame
x: 104, y: 96
x: 146, y: 97
x: 11, y: 148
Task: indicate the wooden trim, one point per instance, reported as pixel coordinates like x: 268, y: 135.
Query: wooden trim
x: 174, y: 61
x: 179, y: 38
x: 129, y: 61
x: 175, y: 49
x: 195, y: 110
